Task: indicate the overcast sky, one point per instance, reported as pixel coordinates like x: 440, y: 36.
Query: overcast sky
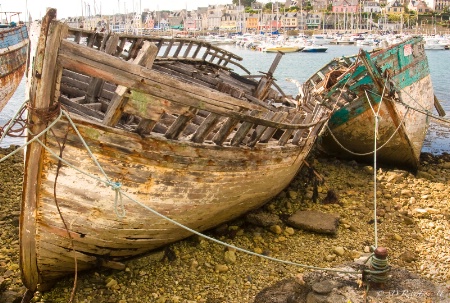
x: 66, y: 8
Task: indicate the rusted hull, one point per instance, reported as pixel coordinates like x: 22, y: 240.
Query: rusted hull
x: 183, y: 137
x: 401, y: 75
x: 13, y: 59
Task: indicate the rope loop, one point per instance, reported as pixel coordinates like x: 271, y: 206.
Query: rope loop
x: 119, y: 208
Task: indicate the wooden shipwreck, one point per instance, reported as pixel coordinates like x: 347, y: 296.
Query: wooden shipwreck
x: 392, y: 84
x: 173, y: 129
x: 14, y: 45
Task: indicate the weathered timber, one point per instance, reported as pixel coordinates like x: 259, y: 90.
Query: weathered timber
x: 96, y: 84
x: 170, y: 139
x: 145, y: 58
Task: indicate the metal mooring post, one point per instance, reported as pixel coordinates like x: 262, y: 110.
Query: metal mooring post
x: 378, y: 272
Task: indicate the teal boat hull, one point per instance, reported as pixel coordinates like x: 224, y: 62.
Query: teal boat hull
x: 393, y: 84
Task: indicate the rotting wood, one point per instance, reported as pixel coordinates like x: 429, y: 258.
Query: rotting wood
x: 298, y: 118
x: 180, y: 124
x: 244, y: 129
x: 160, y: 151
x: 96, y: 84
x: 41, y: 96
x: 145, y: 58
x: 205, y: 128
x: 259, y: 130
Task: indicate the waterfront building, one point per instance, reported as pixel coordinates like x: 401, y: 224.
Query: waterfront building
x: 371, y: 7
x: 394, y: 7
x: 345, y: 6
x: 441, y: 5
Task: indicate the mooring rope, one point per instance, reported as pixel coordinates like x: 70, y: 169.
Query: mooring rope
x: 118, y: 203
x: 371, y: 152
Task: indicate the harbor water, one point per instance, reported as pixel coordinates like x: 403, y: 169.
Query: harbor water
x: 300, y: 66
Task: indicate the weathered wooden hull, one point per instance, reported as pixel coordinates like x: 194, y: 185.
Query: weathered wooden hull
x: 196, y: 186
x: 208, y: 156
x: 399, y: 73
x: 13, y: 58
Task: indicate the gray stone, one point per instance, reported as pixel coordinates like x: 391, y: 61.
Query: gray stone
x: 314, y: 221
x: 281, y: 292
x: 230, y: 257
x: 325, y: 287
x: 263, y: 219
x: 312, y: 297
x: 408, y: 256
x: 424, y: 175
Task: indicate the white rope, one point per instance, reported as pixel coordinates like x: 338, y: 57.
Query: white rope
x: 33, y: 139
x: 371, y: 152
x: 117, y: 188
x: 375, y: 137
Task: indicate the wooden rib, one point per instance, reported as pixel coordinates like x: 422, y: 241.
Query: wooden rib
x: 135, y: 47
x: 270, y: 131
x: 146, y: 58
x: 225, y: 131
x: 180, y: 124
x: 169, y: 47
x: 244, y: 129
x: 41, y: 98
x: 298, y: 118
x: 96, y: 84
x: 298, y: 135
x: 205, y: 128
x: 188, y: 49
x: 145, y: 126
x: 150, y: 82
x: 177, y: 51
x: 260, y: 130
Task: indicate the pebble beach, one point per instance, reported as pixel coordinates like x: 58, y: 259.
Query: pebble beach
x: 413, y: 223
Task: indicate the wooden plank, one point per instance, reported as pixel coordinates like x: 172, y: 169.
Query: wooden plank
x: 244, y: 129
x: 145, y: 126
x: 150, y: 107
x: 178, y: 50
x: 77, y: 76
x: 42, y: 88
x: 96, y: 84
x: 135, y: 47
x: 80, y: 109
x: 147, y: 81
x: 72, y: 91
x: 437, y: 105
x: 265, y: 83
x: 180, y: 124
x: 145, y: 58
x: 205, y: 128
x: 298, y: 118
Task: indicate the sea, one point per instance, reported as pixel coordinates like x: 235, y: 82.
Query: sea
x: 300, y: 66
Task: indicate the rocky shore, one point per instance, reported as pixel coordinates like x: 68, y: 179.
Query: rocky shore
x: 412, y: 223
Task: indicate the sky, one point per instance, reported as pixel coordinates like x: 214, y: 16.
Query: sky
x: 72, y: 8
